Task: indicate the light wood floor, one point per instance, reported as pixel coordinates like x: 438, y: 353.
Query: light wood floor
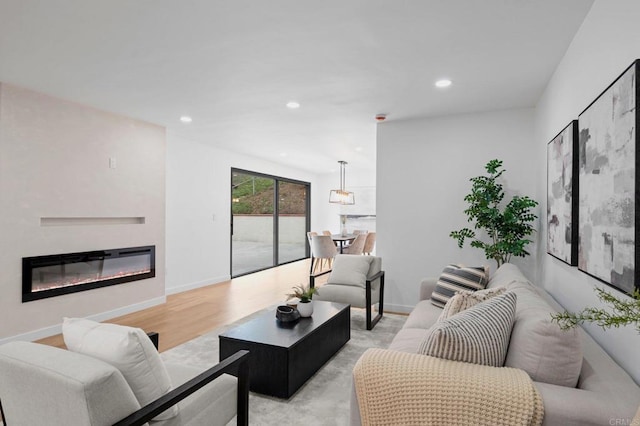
x: 192, y: 313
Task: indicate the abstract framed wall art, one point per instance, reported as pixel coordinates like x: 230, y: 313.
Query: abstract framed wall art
x: 608, y: 219
x: 562, y: 195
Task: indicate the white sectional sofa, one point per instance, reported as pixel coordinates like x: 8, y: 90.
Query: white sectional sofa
x: 579, y: 383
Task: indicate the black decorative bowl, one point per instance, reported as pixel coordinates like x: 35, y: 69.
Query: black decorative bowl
x: 286, y: 313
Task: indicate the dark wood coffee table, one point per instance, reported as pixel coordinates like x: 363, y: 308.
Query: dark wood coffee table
x: 282, y: 357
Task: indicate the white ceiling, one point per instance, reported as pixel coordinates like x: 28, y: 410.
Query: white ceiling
x: 233, y: 64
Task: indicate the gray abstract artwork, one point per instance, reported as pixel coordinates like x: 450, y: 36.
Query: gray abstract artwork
x: 607, y: 181
x: 561, y: 212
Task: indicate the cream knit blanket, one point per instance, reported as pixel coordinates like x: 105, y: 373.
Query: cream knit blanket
x: 397, y: 388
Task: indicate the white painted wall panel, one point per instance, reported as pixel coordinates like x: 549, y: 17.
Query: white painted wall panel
x: 606, y: 44
x: 423, y: 173
x: 54, y: 162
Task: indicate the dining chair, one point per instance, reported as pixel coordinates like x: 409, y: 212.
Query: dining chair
x: 310, y: 235
x: 326, y: 233
x: 323, y: 249
x: 370, y: 243
x: 357, y: 246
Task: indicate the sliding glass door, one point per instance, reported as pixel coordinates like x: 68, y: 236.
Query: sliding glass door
x: 269, y: 221
x: 292, y: 221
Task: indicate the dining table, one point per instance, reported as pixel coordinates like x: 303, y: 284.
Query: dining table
x: 340, y: 240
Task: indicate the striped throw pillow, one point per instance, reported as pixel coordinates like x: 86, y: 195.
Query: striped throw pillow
x: 463, y: 300
x: 479, y: 335
x: 455, y: 278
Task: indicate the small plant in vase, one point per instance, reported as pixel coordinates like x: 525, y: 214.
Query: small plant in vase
x: 305, y: 294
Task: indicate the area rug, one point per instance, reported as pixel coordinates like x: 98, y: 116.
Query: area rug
x: 324, y: 399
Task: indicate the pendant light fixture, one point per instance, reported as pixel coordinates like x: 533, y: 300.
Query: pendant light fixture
x: 340, y: 196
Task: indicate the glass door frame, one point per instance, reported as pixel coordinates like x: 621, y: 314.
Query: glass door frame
x: 276, y: 215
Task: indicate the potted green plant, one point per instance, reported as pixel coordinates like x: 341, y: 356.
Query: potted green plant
x: 507, y: 226
x: 305, y: 294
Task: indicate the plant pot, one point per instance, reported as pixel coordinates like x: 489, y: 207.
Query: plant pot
x: 305, y: 309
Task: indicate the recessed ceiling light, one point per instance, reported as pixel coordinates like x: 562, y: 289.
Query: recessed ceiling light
x: 443, y: 83
x: 293, y: 105
x: 186, y: 119
x: 359, y: 149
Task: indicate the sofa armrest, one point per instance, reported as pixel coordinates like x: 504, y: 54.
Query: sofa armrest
x: 236, y: 365
x: 427, y: 286
x: 580, y: 407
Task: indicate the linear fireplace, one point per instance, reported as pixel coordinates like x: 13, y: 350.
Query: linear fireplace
x: 53, y: 275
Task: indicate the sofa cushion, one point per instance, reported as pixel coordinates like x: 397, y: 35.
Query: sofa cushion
x: 455, y: 278
x: 479, y: 335
x: 350, y: 270
x: 538, y: 345
x: 409, y: 339
x: 506, y: 274
x: 423, y: 315
x: 128, y: 349
x: 214, y: 404
x: 463, y: 300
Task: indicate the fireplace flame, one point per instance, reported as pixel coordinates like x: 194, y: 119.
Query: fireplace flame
x: 69, y: 282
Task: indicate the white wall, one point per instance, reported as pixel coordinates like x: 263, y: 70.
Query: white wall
x: 607, y: 42
x: 423, y: 172
x: 198, y: 210
x: 54, y: 162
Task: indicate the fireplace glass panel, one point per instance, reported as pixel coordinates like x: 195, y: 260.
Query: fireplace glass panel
x: 70, y: 274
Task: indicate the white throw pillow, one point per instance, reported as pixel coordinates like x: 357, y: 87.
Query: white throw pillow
x: 128, y: 349
x: 463, y: 300
x: 349, y: 269
x: 479, y: 335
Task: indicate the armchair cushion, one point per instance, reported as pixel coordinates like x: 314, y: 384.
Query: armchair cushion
x: 214, y: 404
x: 350, y: 270
x: 352, y: 295
x: 129, y: 350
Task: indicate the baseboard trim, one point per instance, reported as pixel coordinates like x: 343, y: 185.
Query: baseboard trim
x: 197, y: 284
x: 57, y: 329
x: 401, y: 309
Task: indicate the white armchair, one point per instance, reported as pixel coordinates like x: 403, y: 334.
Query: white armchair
x: 41, y: 384
x: 356, y: 280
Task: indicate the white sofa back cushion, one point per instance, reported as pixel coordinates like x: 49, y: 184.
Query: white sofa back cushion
x: 128, y: 349
x: 538, y: 345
